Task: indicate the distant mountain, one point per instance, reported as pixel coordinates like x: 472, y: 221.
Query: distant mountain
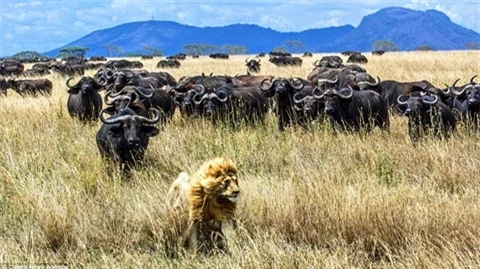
x: 408, y: 29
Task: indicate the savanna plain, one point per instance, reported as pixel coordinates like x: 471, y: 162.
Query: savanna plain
x: 310, y: 198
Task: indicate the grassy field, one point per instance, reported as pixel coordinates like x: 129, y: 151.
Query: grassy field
x: 309, y: 199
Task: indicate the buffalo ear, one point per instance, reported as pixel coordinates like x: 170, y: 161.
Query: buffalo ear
x: 150, y: 130
x: 74, y: 90
x: 110, y: 110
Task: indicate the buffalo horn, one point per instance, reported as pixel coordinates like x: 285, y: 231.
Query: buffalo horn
x: 297, y: 99
x: 425, y: 99
x: 114, y: 120
x: 68, y: 85
x: 262, y: 87
x: 197, y: 100
x: 460, y: 92
x: 296, y: 83
x: 149, y: 121
x: 217, y: 96
x: 400, y: 101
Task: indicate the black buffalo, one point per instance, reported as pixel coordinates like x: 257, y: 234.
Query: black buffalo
x: 233, y: 105
x: 285, y: 61
x: 331, y: 61
x: 357, y: 58
x: 253, y: 65
x: 392, y: 89
x: 11, y: 67
x: 467, y: 102
x: 427, y: 115
x: 353, y: 110
x: 124, y: 137
x: 129, y: 97
x: 378, y: 52
x: 310, y: 107
x: 283, y: 89
x: 84, y: 101
x: 169, y: 63
x: 223, y: 56
x: 27, y: 87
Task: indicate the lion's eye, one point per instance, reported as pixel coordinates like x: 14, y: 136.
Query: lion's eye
x: 227, y: 183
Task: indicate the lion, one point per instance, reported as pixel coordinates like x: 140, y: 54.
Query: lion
x: 211, y: 196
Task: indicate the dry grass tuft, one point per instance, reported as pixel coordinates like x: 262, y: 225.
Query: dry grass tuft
x: 310, y: 198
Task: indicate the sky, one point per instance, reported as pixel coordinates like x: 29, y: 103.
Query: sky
x: 45, y: 25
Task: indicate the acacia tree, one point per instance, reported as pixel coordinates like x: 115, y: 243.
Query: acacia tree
x: 152, y: 51
x: 384, y: 45
x: 73, y: 51
x: 235, y: 49
x: 473, y: 45
x: 294, y: 46
x: 113, y: 50
x: 200, y: 49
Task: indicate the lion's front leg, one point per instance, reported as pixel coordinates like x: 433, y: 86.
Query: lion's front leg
x: 227, y: 227
x: 191, y: 236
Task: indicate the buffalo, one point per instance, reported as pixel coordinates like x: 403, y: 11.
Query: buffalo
x: 84, y: 101
x: 129, y: 97
x: 124, y: 137
x: 27, y: 87
x: 253, y: 65
x: 283, y: 89
x: 354, y: 110
x: 286, y: 61
x: 357, y: 58
x: 331, y: 61
x: 169, y: 63
x: 223, y: 56
x: 467, y: 101
x: 11, y: 67
x: 233, y: 105
x: 378, y: 52
x: 427, y: 114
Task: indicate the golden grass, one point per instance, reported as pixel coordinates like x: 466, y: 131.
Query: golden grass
x: 310, y: 199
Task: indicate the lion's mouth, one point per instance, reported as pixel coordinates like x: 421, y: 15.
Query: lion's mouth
x: 233, y: 198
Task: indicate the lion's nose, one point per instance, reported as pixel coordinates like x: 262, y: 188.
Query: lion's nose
x: 236, y: 193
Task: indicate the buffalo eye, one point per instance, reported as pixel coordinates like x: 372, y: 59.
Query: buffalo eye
x: 227, y: 183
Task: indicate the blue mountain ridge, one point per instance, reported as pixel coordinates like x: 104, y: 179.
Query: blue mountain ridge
x: 407, y: 28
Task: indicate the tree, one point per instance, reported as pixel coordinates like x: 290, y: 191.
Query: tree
x: 113, y: 50
x: 474, y: 45
x: 200, y: 49
x: 294, y: 46
x: 424, y: 48
x: 235, y: 49
x: 384, y: 45
x: 28, y: 54
x: 280, y: 49
x: 152, y: 51
x: 73, y: 51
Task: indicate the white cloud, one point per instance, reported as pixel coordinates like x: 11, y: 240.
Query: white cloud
x: 48, y: 24
x: 9, y: 36
x: 22, y: 29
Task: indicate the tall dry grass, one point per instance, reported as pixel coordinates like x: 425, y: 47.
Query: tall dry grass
x: 310, y: 198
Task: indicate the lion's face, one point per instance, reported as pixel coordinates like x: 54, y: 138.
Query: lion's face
x: 228, y: 187
x: 222, y: 181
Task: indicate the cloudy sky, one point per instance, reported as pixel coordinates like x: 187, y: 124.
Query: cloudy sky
x: 48, y: 24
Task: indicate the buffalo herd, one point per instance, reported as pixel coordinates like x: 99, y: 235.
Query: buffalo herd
x: 345, y: 96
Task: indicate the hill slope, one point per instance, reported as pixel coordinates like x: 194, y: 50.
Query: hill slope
x: 407, y: 28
